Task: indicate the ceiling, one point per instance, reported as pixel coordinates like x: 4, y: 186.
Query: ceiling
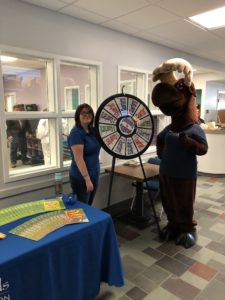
x: 159, y: 21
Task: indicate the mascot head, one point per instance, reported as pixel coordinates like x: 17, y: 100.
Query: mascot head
x: 175, y: 97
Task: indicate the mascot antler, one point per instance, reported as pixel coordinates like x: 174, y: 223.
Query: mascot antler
x: 171, y: 90
x: 166, y: 71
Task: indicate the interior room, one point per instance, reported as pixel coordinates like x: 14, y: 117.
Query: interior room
x: 58, y: 54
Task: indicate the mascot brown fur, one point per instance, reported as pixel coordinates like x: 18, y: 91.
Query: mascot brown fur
x: 177, y: 147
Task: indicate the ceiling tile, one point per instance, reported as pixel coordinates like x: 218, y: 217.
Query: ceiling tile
x: 159, y: 21
x: 220, y: 32
x: 83, y: 14
x: 184, y: 32
x: 112, y: 9
x: 69, y: 1
x: 50, y: 4
x: 154, y: 1
x: 154, y: 38
x: 148, y: 17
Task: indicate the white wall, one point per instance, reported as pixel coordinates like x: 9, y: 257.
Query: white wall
x: 30, y: 27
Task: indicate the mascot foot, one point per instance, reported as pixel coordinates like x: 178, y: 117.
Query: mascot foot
x: 168, y: 234
x: 186, y: 239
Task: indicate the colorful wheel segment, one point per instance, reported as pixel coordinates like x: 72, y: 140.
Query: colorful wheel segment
x: 124, y: 126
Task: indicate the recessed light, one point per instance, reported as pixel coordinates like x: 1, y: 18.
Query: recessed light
x: 211, y: 19
x: 7, y: 58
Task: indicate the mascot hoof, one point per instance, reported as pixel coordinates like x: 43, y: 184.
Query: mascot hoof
x: 168, y: 234
x: 186, y: 239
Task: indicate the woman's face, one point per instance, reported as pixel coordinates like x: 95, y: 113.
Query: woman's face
x: 85, y: 116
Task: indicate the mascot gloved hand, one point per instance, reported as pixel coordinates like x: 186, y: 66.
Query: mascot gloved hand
x: 177, y: 145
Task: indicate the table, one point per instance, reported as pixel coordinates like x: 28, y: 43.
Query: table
x: 136, y: 173
x: 68, y: 264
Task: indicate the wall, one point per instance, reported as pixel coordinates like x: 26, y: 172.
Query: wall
x: 29, y: 27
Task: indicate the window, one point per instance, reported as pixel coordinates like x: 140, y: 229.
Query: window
x: 78, y: 84
x: 139, y: 83
x: 132, y: 82
x: 38, y: 119
x: 26, y: 81
x: 28, y: 91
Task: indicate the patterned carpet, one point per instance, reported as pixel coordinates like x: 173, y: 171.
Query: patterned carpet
x: 164, y: 271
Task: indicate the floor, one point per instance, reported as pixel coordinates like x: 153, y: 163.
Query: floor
x: 164, y: 271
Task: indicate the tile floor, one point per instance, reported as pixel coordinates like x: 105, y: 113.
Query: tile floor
x: 164, y: 271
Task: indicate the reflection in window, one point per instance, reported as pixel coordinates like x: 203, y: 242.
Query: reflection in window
x: 42, y: 134
x: 78, y: 85
x: 24, y: 147
x: 26, y: 82
x: 133, y: 83
x: 29, y: 143
x: 72, y: 97
x: 67, y: 125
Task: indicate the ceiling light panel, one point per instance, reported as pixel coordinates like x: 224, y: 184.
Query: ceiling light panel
x: 211, y: 19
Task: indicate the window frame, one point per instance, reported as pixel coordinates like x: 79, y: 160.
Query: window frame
x: 162, y: 120
x: 55, y: 114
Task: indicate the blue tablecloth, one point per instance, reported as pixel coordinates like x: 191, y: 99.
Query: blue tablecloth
x: 67, y: 264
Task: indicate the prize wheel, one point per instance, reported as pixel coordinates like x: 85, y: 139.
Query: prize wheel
x: 124, y: 126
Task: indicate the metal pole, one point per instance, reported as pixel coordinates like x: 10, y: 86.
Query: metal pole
x: 111, y: 182
x: 150, y: 197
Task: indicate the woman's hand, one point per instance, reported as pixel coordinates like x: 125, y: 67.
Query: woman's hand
x: 89, y: 184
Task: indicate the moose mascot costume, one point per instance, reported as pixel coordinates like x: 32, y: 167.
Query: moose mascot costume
x: 177, y: 147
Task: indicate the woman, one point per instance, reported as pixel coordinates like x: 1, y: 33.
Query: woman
x: 85, y: 148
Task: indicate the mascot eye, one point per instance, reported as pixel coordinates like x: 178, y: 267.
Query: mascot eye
x: 180, y: 86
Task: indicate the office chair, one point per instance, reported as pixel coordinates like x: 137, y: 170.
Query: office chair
x: 152, y: 185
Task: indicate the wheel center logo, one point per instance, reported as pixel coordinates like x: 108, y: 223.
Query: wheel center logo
x: 127, y: 126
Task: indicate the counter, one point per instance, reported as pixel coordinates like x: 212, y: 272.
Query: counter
x: 214, y: 161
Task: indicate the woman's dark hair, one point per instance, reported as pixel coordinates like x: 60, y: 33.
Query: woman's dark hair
x: 79, y: 110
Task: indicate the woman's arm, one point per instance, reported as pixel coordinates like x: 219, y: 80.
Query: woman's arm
x: 78, y: 152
